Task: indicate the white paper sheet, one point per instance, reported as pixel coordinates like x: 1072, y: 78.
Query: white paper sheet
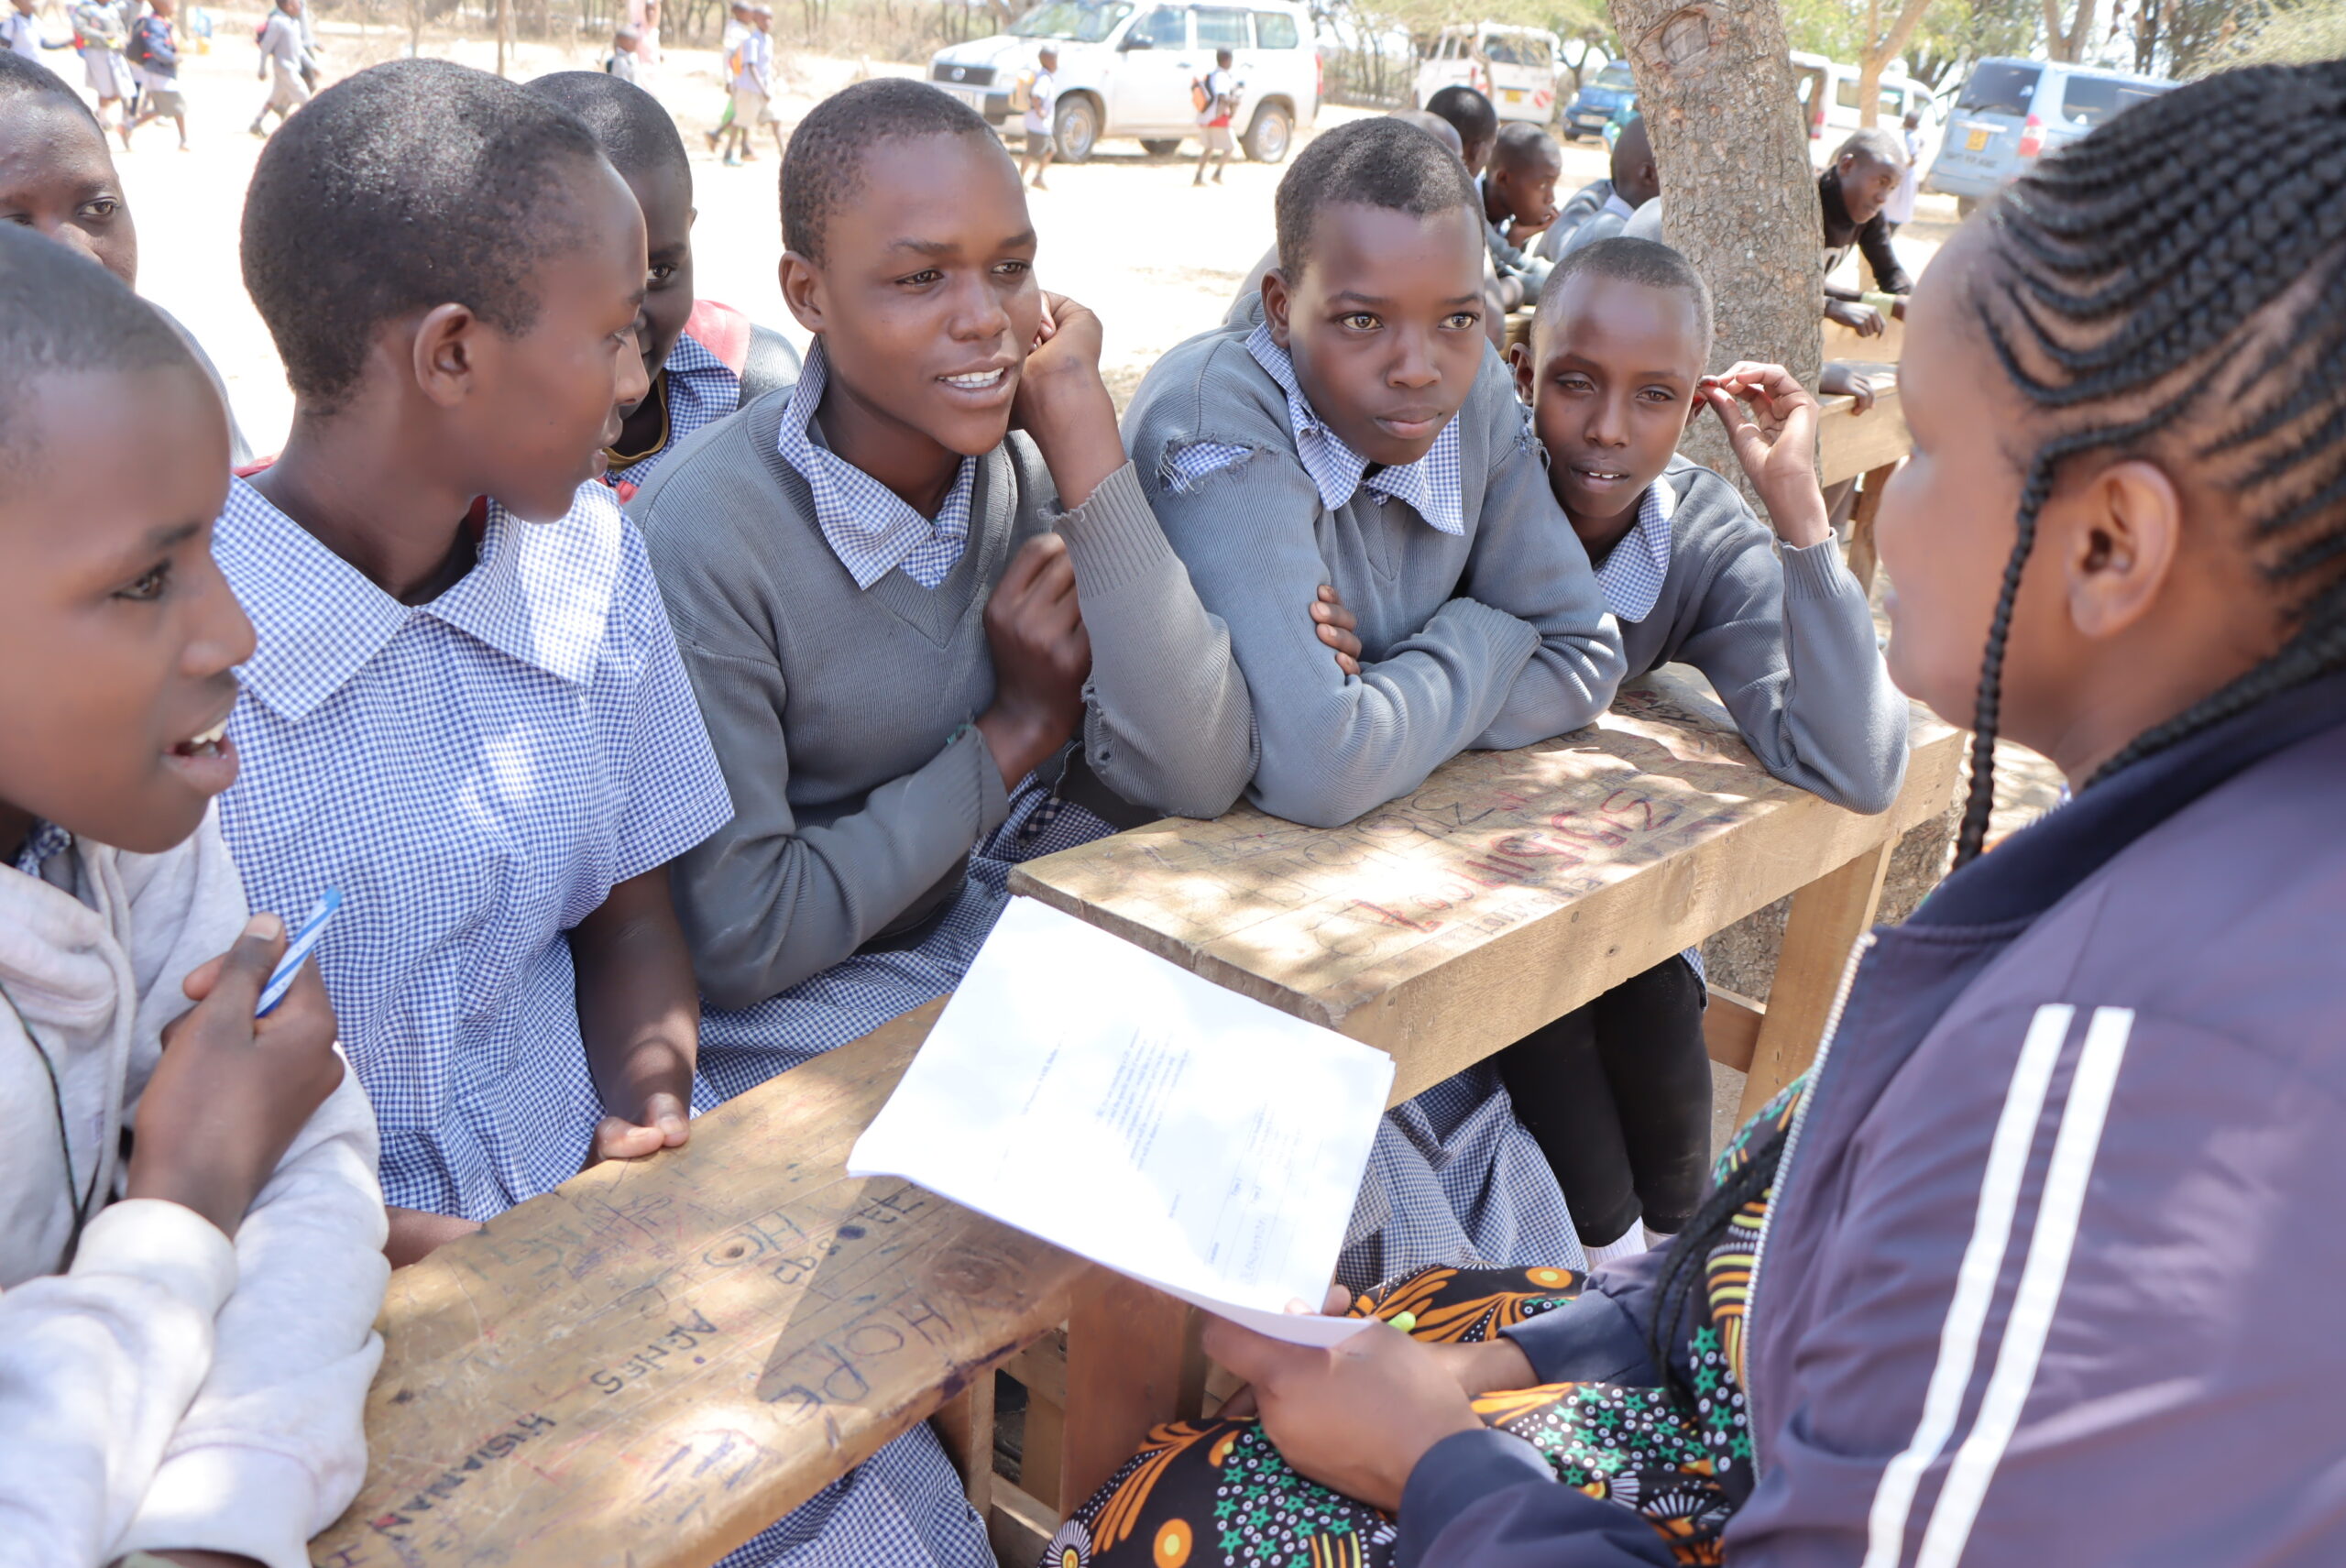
x: 1115, y: 1104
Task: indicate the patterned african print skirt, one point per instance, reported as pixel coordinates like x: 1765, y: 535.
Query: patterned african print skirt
x: 1216, y: 1493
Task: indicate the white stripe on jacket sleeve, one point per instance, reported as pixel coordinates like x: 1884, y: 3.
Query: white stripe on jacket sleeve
x: 2067, y: 1176
x: 1974, y: 1284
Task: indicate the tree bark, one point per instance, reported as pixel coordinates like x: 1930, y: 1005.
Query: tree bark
x: 1715, y: 83
x: 1880, y: 49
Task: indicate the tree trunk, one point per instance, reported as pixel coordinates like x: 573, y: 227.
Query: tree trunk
x: 2057, y: 38
x: 1880, y: 49
x: 1715, y: 83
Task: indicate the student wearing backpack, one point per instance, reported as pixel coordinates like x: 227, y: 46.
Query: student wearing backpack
x: 1042, y: 98
x: 99, y: 32
x: 154, y: 54
x: 1216, y: 97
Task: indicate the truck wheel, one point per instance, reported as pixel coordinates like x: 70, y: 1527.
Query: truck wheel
x: 1078, y: 129
x: 1160, y: 147
x: 1268, y: 136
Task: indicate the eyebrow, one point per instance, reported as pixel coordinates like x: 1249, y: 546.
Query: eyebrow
x: 157, y: 541
x: 1354, y: 296
x: 947, y: 248
x: 1568, y: 360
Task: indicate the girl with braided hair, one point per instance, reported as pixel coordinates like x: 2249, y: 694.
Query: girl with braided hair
x: 2041, y: 1263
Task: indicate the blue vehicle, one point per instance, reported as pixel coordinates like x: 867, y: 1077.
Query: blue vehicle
x: 1610, y: 98
x: 2012, y: 112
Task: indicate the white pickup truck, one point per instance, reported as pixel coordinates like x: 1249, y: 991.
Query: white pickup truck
x: 1125, y: 70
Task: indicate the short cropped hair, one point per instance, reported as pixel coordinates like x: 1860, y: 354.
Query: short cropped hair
x: 1645, y: 261
x: 1383, y: 162
x: 1875, y: 143
x: 417, y: 184
x: 22, y: 78
x: 1465, y: 108
x: 60, y: 313
x: 638, y: 134
x: 1520, y: 143
x: 822, y: 169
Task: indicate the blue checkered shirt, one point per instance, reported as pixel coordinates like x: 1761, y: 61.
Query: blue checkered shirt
x: 475, y: 774
x: 1432, y: 484
x: 873, y: 530
x: 701, y: 388
x: 43, y: 844
x: 1633, y: 573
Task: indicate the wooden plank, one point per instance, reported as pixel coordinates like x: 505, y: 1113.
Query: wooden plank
x: 671, y: 1354
x: 965, y: 1426
x: 1864, y: 553
x: 1020, y: 1527
x: 1828, y: 918
x: 1039, y: 1458
x: 1850, y: 443
x: 1508, y: 890
x: 1041, y: 1367
x: 1731, y: 1028
x: 1133, y: 1362
x: 1844, y: 343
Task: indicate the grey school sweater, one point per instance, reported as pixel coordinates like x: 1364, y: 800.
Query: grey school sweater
x: 839, y: 713
x: 1496, y: 639
x: 1786, y: 639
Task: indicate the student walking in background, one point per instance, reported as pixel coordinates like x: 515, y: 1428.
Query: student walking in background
x: 1042, y: 100
x: 626, y: 46
x: 285, y: 63
x: 1900, y: 209
x: 752, y: 63
x: 98, y: 29
x: 1218, y: 105
x: 154, y: 53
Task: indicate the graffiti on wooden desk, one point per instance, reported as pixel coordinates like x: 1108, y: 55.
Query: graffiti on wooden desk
x: 682, y: 1338
x: 779, y: 1244
x: 833, y: 1370
x: 450, y: 1481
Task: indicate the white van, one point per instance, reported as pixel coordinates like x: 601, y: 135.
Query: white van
x: 1514, y: 67
x: 1125, y: 70
x: 1827, y: 90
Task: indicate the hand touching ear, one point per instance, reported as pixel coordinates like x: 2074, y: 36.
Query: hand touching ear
x: 1771, y: 421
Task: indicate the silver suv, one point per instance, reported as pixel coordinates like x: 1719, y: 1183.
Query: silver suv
x: 2012, y: 112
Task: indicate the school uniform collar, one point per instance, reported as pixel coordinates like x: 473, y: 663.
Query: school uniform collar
x: 871, y: 530
x: 43, y: 844
x: 1432, y: 485
x: 1632, y: 575
x: 537, y: 593
x: 1614, y: 204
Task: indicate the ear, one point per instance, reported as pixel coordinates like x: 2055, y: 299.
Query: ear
x: 446, y: 353
x: 802, y: 290
x: 1277, y: 301
x: 2123, y: 532
x: 1518, y: 359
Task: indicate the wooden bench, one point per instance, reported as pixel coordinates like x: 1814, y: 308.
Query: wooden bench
x: 659, y: 1359
x: 1866, y: 447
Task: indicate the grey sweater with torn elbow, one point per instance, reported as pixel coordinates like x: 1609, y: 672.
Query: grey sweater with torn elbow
x: 840, y: 714
x: 1786, y: 639
x: 1494, y: 639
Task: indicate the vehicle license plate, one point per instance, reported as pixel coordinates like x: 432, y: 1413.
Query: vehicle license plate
x: 1978, y: 140
x: 973, y: 96
x: 1512, y: 95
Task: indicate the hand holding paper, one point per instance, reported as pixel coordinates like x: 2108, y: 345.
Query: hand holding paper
x: 1113, y: 1103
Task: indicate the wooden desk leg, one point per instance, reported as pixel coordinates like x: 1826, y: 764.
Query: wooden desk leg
x: 1828, y: 915
x: 1865, y: 557
x: 965, y: 1426
x: 1133, y: 1363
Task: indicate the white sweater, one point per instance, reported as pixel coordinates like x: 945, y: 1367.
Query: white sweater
x: 170, y: 1388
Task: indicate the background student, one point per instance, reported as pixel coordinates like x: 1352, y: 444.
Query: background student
x: 1006, y: 594
x: 186, y: 1314
x: 470, y: 718
x: 1601, y: 209
x: 1519, y: 187
x: 58, y: 178
x: 1362, y: 455
x: 1518, y: 274
x: 1038, y: 123
x: 1221, y: 88
x: 2022, y: 1272
x: 1618, y: 1093
x: 702, y: 357
x: 286, y: 64
x: 154, y: 54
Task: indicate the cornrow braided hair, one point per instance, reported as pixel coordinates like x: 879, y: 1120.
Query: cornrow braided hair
x: 2136, y: 282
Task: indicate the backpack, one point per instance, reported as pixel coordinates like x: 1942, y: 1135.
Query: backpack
x: 1022, y: 92
x: 1199, y: 97
x: 141, y: 51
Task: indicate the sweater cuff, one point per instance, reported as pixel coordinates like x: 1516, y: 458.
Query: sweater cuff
x: 243, y: 1501
x: 166, y: 1243
x: 1589, y: 1340
x: 992, y: 800
x: 1815, y: 572
x: 1113, y: 538
x: 1455, y: 1474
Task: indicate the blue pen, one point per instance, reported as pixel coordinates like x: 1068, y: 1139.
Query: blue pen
x: 297, y: 950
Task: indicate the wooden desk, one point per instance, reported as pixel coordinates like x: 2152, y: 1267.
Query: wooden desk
x: 1867, y: 448
x: 1510, y: 889
x: 654, y: 1362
